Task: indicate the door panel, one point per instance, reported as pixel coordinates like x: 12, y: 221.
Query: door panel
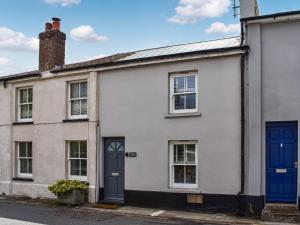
x: 282, y: 154
x: 114, y: 169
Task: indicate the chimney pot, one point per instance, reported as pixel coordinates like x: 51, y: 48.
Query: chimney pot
x: 48, y: 26
x: 56, y: 23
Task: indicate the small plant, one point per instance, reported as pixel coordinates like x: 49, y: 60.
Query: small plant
x: 62, y: 187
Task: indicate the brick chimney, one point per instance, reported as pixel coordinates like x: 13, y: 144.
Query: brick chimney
x: 52, y: 46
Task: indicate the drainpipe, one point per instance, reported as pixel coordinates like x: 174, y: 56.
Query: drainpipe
x: 242, y: 190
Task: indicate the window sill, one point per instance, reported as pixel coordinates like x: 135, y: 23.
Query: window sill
x: 75, y: 120
x: 22, y: 179
x: 23, y: 123
x: 178, y: 115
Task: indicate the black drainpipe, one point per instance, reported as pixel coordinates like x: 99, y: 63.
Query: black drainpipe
x: 240, y: 194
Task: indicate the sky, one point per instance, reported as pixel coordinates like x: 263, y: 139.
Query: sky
x: 98, y: 28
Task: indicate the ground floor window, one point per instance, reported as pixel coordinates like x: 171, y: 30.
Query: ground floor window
x: 78, y: 160
x: 183, y: 164
x: 24, y: 155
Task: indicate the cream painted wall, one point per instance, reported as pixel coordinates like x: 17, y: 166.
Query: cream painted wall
x: 48, y: 134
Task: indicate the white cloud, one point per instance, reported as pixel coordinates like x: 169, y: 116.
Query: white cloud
x: 86, y: 33
x: 93, y: 57
x: 218, y: 27
x: 190, y: 11
x: 63, y: 2
x: 16, y: 41
x: 5, y: 62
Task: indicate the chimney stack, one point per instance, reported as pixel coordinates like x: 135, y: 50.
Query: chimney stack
x: 52, y: 46
x: 249, y: 8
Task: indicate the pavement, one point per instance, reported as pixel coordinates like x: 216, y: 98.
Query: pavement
x: 20, y: 211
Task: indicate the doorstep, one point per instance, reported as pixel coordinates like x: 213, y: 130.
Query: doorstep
x: 181, y: 215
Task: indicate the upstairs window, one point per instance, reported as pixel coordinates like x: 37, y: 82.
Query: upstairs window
x: 24, y: 159
x: 25, y: 104
x: 78, y: 97
x: 183, y: 93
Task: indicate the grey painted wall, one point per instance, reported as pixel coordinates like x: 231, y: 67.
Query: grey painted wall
x: 134, y: 103
x: 274, y: 89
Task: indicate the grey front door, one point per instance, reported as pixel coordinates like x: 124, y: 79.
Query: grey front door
x: 114, y: 169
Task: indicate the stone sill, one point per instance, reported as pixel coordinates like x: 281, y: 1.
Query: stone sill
x: 179, y: 115
x: 22, y: 179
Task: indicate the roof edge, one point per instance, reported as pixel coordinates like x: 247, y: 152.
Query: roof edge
x: 241, y: 47
x: 21, y: 76
x: 274, y: 15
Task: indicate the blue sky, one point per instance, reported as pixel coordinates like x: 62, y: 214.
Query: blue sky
x: 103, y: 27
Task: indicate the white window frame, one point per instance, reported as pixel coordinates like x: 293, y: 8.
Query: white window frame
x: 20, y: 104
x: 19, y: 174
x: 72, y: 177
x: 70, y: 116
x: 172, y: 93
x: 172, y: 164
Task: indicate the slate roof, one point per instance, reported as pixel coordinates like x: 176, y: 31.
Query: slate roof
x: 143, y: 55
x: 34, y: 73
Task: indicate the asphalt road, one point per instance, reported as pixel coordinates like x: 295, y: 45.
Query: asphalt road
x: 12, y: 213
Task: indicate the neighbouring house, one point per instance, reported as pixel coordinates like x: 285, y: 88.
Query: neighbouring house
x: 181, y: 126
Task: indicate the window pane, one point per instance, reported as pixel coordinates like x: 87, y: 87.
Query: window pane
x: 30, y: 111
x: 190, y: 153
x: 74, y: 90
x: 29, y: 149
x: 29, y: 94
x: 75, y: 167
x: 83, y: 167
x: 83, y: 149
x: 29, y: 164
x: 74, y: 149
x: 178, y: 153
x: 190, y: 83
x: 23, y: 166
x: 23, y: 96
x: 83, y: 107
x: 179, y: 101
x: 179, y: 174
x: 22, y: 150
x: 191, y: 101
x: 24, y: 111
x: 83, y: 89
x: 75, y: 107
x: 190, y: 174
x: 178, y: 84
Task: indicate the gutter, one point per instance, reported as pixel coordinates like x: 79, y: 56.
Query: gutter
x: 6, y: 79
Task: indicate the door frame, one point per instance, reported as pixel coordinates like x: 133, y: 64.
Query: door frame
x: 104, y: 140
x: 278, y: 123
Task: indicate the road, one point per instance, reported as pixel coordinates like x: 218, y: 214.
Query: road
x: 12, y: 213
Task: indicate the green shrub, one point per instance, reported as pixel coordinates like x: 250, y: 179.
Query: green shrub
x: 65, y: 186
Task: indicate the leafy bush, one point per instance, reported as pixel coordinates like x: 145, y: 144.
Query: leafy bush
x: 65, y: 186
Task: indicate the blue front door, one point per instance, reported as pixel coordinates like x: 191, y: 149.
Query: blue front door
x: 281, y: 171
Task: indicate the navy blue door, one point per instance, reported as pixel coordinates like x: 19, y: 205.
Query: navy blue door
x: 114, y: 169
x: 281, y: 160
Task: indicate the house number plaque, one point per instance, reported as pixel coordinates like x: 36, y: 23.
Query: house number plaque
x: 131, y: 154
